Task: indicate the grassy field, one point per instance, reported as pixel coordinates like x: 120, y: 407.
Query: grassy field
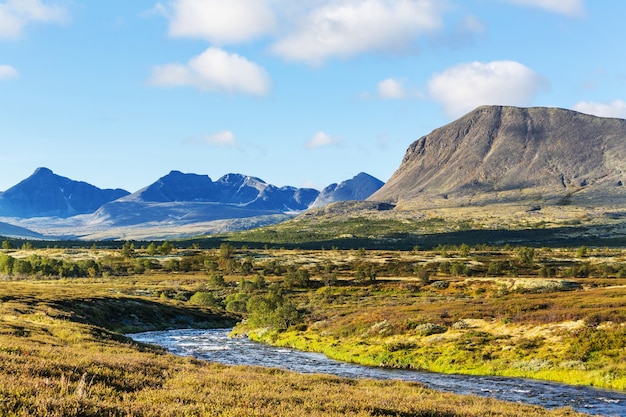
x: 62, y: 352
x: 350, y: 225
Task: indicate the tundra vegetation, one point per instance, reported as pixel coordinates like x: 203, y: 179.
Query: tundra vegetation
x: 548, y: 313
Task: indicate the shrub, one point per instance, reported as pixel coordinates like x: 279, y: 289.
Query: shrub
x: 236, y: 303
x: 459, y: 269
x: 203, y: 298
x: 216, y: 280
x: 272, y: 310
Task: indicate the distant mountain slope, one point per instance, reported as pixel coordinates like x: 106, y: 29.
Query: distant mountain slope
x: 504, y: 154
x: 177, y: 186
x: 233, y: 189
x: 47, y: 194
x: 183, y: 199
x: 9, y: 230
x: 359, y: 187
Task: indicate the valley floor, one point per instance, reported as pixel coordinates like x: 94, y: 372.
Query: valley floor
x: 62, y: 352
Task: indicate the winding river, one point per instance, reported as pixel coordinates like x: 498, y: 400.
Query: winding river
x: 215, y: 345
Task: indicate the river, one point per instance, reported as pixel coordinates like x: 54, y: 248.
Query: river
x: 215, y: 345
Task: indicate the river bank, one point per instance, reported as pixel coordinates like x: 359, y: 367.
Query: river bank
x: 217, y: 346
x: 442, y: 330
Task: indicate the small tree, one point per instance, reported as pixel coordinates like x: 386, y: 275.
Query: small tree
x: 246, y: 266
x: 165, y: 248
x: 226, y: 251
x: 6, y: 264
x: 128, y: 250
x: 526, y: 255
x: 216, y: 280
x: 259, y: 282
x: 152, y: 249
x: 458, y: 269
x: 422, y: 274
x: 303, y: 278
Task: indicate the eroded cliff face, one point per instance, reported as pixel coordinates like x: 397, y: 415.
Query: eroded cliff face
x: 506, y: 154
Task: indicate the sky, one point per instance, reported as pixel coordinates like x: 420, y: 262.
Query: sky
x: 305, y: 93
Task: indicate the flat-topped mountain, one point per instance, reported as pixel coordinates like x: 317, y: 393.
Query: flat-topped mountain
x: 357, y: 188
x: 47, y: 194
x: 499, y: 154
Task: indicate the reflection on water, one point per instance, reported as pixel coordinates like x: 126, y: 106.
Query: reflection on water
x: 216, y: 346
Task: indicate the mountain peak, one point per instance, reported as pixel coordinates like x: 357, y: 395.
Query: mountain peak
x: 42, y: 171
x: 46, y: 194
x: 359, y: 187
x: 505, y: 153
x: 177, y: 186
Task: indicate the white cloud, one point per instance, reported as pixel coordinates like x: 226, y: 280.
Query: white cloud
x: 15, y: 15
x: 564, y: 7
x: 394, y: 89
x: 466, y: 86
x: 219, y: 21
x: 391, y: 89
x: 224, y: 138
x: 349, y: 27
x: 214, y: 70
x: 321, y: 139
x: 615, y: 108
x: 472, y: 24
x: 7, y: 72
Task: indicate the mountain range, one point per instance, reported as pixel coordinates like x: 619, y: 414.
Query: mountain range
x: 178, y: 204
x: 497, y: 166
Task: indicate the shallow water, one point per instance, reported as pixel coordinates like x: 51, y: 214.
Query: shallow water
x: 215, y: 345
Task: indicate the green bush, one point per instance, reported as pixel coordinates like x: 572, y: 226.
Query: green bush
x: 204, y: 298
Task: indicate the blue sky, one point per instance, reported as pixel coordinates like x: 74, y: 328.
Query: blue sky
x: 118, y: 93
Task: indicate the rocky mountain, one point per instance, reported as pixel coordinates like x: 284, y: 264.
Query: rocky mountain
x: 47, y: 194
x: 499, y: 154
x: 232, y: 189
x: 359, y: 187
